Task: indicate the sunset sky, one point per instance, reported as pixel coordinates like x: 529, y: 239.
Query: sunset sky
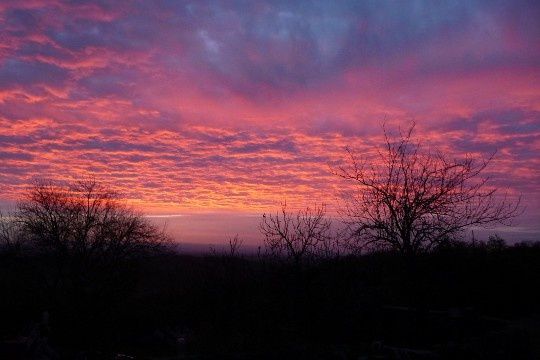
x: 219, y: 110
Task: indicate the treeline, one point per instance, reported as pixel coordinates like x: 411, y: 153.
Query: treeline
x: 82, y: 276
x: 462, y: 302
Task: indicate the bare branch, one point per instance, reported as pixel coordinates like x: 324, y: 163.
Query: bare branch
x: 413, y: 201
x: 86, y: 220
x: 297, y: 235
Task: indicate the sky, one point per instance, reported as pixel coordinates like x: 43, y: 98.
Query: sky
x: 217, y: 111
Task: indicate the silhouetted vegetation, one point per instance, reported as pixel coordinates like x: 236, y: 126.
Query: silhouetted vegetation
x: 85, y: 277
x: 468, y: 301
x: 72, y: 252
x: 413, y: 201
x: 300, y: 236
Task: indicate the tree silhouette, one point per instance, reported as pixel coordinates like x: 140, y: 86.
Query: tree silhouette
x: 412, y: 201
x: 235, y: 245
x: 11, y: 239
x: 297, y: 235
x: 86, y: 220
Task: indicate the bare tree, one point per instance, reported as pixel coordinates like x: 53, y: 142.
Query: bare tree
x: 11, y: 238
x: 86, y: 220
x: 232, y: 250
x: 88, y: 245
x: 235, y: 244
x: 296, y: 235
x: 412, y: 201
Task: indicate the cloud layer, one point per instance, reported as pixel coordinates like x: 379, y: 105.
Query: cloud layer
x: 236, y: 105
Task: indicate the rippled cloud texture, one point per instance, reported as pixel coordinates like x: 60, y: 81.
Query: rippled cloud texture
x: 237, y: 105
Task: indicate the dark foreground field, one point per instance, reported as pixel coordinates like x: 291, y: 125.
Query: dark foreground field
x: 474, y: 302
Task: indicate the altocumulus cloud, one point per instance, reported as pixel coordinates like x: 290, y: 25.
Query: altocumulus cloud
x: 218, y: 105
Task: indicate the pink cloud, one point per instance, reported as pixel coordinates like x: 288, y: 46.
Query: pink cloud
x: 208, y: 107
